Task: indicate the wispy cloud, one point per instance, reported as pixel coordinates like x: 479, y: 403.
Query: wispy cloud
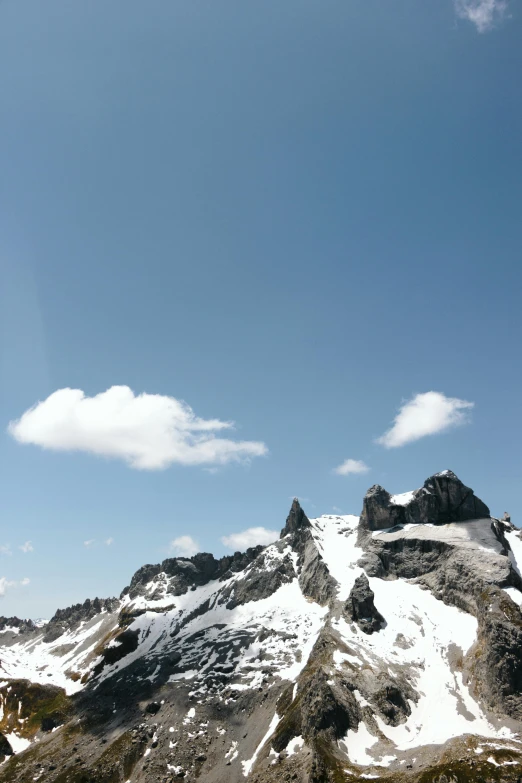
x: 425, y: 414
x: 109, y: 541
x: 250, y: 537
x: 351, y: 467
x: 7, y: 584
x: 147, y: 431
x: 184, y: 546
x: 90, y: 542
x: 484, y: 14
x: 5, y: 549
x: 27, y: 547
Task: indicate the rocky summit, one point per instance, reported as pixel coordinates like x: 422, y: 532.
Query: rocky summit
x: 386, y: 646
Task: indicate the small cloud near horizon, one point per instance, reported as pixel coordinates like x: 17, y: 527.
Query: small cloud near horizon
x: 484, y: 14
x: 109, y: 541
x: 252, y: 536
x: 351, y: 467
x: 27, y: 547
x: 5, y: 549
x: 147, y: 431
x: 89, y: 542
x: 184, y: 546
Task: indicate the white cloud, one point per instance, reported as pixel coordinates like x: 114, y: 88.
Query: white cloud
x: 350, y: 466
x: 89, y: 542
x: 250, y: 537
x: 109, y: 541
x: 5, y: 549
x: 27, y: 547
x: 484, y: 14
x: 184, y: 546
x: 337, y: 509
x: 425, y: 414
x: 6, y: 584
x: 148, y: 431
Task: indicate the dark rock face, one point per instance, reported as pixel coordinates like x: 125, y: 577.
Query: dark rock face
x: 443, y: 498
x: 392, y: 702
x: 127, y: 642
x: 261, y: 580
x: 296, y: 519
x: 324, y: 707
x: 24, y: 626
x: 320, y: 706
x: 74, y: 615
x: 378, y: 511
x: 315, y: 579
x: 498, y: 660
x: 360, y: 607
x: 187, y: 572
x: 5, y: 747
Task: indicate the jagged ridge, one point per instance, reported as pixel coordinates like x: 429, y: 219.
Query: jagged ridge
x: 312, y: 659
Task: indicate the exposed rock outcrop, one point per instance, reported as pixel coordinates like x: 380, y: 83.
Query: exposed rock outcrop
x: 315, y: 579
x: 296, y: 519
x: 264, y: 576
x: 72, y: 616
x: 360, y: 606
x: 22, y: 626
x: 184, y: 573
x: 498, y: 659
x: 443, y: 498
x: 5, y: 747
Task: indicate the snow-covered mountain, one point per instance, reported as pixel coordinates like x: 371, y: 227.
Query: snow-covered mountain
x: 386, y: 646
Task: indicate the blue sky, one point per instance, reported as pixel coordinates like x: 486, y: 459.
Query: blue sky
x: 292, y: 216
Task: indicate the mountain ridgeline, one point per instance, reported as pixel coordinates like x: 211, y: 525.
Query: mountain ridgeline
x: 386, y: 646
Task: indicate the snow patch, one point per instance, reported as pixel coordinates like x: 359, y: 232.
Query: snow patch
x: 247, y: 765
x: 403, y: 499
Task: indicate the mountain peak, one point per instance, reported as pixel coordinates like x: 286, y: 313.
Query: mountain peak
x: 442, y: 498
x: 295, y: 520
